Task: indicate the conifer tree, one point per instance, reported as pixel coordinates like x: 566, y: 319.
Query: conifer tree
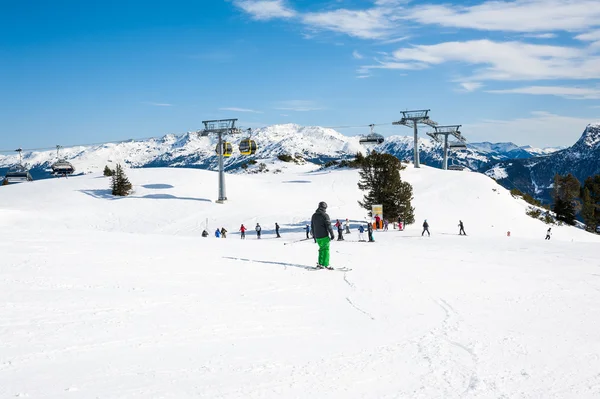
x: 380, y: 177
x: 108, y: 171
x: 566, y: 191
x: 591, y: 206
x: 120, y: 183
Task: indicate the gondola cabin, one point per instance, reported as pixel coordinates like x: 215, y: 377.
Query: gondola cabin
x: 18, y: 174
x: 372, y: 138
x: 62, y: 167
x: 247, y: 147
x: 227, y: 149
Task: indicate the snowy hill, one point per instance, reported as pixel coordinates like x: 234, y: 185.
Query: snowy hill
x: 122, y: 298
x: 536, y: 175
x: 313, y: 144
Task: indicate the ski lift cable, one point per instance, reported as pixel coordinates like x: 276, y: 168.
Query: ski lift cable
x: 155, y: 137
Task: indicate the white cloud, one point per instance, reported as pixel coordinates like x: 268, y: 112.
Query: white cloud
x: 363, y: 76
x: 577, y: 93
x: 504, y: 60
x: 236, y: 109
x: 298, y: 106
x: 265, y: 9
x: 591, y: 36
x: 541, y: 35
x: 471, y: 86
x: 371, y: 23
x: 513, y: 16
x: 357, y: 55
x: 540, y: 129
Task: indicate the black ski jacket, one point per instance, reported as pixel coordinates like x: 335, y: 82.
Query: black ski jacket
x: 320, y: 224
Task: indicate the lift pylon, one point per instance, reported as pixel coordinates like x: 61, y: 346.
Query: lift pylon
x: 413, y: 119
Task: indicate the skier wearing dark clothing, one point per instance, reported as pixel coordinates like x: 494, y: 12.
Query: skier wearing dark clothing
x: 340, y: 230
x: 425, y: 228
x: 370, y: 232
x: 258, y: 230
x: 277, y: 230
x: 462, y: 228
x: 307, y: 231
x: 548, y: 233
x: 320, y: 226
x: 204, y: 233
x: 223, y: 232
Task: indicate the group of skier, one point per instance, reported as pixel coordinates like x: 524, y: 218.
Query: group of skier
x: 222, y: 233
x: 461, y: 229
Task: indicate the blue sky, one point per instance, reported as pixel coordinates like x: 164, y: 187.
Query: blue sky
x: 526, y: 71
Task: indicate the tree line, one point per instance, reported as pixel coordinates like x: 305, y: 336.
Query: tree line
x: 571, y: 198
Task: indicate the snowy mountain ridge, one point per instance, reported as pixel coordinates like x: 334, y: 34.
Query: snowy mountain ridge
x: 310, y: 143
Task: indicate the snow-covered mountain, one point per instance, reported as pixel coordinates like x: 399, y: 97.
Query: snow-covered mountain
x: 536, y: 175
x: 312, y: 143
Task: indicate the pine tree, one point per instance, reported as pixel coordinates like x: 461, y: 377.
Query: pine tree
x: 120, y: 183
x: 566, y: 191
x: 108, y: 172
x: 587, y: 210
x: 591, y: 210
x: 380, y: 176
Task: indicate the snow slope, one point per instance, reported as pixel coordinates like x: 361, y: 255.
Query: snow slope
x: 122, y: 298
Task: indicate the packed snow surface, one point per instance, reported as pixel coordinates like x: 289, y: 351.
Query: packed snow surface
x: 121, y: 298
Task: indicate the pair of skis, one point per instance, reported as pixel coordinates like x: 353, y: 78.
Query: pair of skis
x: 339, y: 269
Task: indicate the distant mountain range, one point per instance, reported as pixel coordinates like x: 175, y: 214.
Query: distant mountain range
x: 536, y: 175
x: 506, y: 162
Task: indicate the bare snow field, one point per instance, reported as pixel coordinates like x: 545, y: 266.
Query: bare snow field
x: 122, y: 298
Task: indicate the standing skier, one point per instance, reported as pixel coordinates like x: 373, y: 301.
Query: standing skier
x: 462, y: 228
x: 385, y: 224
x: 243, y: 232
x: 322, y: 233
x: 277, y: 230
x: 223, y: 232
x: 370, y: 232
x: 548, y: 233
x: 258, y: 230
x: 217, y: 233
x: 340, y: 230
x: 204, y: 233
x: 361, y: 233
x: 347, y: 226
x: 307, y: 231
x: 425, y: 228
x: 377, y: 222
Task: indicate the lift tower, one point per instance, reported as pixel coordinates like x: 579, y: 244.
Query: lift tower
x: 445, y: 131
x: 413, y: 119
x: 220, y: 127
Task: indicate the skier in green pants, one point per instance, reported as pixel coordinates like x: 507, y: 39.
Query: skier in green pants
x: 322, y: 233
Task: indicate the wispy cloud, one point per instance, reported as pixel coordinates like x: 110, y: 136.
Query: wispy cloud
x: 470, y: 86
x: 540, y: 35
x: 236, y: 109
x: 504, y: 60
x: 371, y: 23
x: 577, y: 93
x: 357, y: 55
x: 265, y: 9
x: 157, y: 104
x: 298, y: 106
x: 511, y: 16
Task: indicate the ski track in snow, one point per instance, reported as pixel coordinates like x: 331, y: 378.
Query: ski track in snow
x: 103, y: 298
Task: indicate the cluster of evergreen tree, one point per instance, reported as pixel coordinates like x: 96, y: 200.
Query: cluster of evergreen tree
x: 120, y: 183
x: 108, y: 171
x: 571, y: 198
x: 380, y: 177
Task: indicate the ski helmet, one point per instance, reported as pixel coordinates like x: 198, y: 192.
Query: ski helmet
x: 323, y: 205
